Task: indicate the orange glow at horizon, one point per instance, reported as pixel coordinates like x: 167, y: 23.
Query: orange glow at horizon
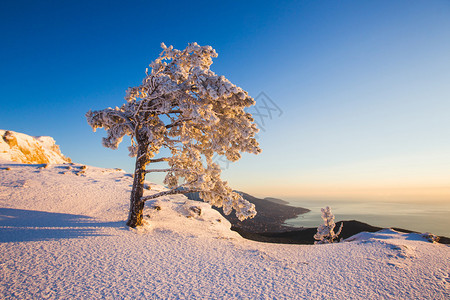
x: 404, y: 192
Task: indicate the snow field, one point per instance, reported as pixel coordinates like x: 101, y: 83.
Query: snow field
x: 63, y: 236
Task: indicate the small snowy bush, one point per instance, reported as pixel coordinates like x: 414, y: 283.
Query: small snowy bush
x: 325, y: 233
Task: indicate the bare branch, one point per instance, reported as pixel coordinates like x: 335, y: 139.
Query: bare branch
x: 159, y: 160
x: 161, y: 170
x: 170, y: 192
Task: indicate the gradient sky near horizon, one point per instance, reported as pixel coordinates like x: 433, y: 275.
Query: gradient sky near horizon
x: 362, y: 88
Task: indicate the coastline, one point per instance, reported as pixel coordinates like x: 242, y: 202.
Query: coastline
x: 269, y: 224
x: 271, y: 214
x: 305, y: 235
x: 419, y: 216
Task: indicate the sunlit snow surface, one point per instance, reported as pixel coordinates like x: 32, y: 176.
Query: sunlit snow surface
x: 63, y: 235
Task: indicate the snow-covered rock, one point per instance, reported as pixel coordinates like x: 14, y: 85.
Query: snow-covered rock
x: 19, y: 147
x: 389, y: 234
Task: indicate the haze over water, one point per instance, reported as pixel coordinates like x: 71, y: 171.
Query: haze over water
x: 424, y: 216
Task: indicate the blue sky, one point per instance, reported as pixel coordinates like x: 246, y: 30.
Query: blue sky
x: 363, y: 86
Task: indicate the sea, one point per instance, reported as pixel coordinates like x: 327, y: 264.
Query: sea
x: 432, y: 217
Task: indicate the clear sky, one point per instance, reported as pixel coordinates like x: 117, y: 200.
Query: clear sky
x: 361, y: 88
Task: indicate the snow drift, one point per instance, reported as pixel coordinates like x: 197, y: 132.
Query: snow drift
x: 27, y: 149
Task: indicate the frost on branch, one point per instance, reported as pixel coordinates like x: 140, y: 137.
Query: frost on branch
x: 325, y: 232
x: 186, y: 108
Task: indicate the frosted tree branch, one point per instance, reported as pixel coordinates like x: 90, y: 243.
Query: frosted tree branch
x: 170, y: 192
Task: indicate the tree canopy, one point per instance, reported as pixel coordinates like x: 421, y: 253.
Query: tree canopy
x: 185, y: 107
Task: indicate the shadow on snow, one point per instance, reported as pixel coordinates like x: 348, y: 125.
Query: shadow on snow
x: 18, y: 225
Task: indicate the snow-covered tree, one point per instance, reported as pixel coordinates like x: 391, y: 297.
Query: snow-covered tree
x: 186, y: 108
x: 325, y: 232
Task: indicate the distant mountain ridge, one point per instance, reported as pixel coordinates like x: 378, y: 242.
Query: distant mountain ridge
x: 23, y: 148
x: 270, y: 216
x: 276, y: 200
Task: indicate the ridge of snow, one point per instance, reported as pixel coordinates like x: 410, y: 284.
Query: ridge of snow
x: 387, y: 234
x: 20, y: 147
x: 63, y: 236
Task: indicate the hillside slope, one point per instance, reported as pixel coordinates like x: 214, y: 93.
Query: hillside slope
x: 270, y: 215
x: 63, y: 236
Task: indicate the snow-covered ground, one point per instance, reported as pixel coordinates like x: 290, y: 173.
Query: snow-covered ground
x: 63, y: 235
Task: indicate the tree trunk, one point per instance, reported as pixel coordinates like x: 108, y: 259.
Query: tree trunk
x: 136, y: 202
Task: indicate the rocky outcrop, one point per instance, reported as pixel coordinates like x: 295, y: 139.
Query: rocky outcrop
x: 27, y: 149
